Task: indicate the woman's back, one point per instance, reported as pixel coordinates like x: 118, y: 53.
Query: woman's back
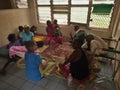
x: 79, y: 68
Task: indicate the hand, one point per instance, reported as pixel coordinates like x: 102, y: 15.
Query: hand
x: 43, y: 66
x: 70, y: 33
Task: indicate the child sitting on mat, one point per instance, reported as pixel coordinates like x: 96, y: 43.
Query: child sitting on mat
x: 33, y: 62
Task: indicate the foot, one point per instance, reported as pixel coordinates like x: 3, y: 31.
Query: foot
x: 3, y: 72
x: 95, y: 88
x: 81, y: 87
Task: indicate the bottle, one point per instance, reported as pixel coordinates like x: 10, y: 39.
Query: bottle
x: 69, y: 79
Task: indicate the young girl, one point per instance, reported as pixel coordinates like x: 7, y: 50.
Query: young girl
x: 32, y: 62
x: 33, y: 29
x: 13, y: 40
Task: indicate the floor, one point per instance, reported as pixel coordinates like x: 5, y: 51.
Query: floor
x: 15, y: 79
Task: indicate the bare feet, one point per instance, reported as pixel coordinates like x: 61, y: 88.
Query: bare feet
x: 3, y: 72
x: 95, y: 88
x: 80, y: 87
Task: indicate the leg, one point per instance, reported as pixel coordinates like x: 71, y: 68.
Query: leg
x: 10, y: 60
x: 81, y: 87
x: 5, y: 66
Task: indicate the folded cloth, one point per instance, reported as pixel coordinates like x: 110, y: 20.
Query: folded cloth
x: 18, y: 50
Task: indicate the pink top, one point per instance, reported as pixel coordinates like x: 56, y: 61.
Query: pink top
x: 18, y: 50
x: 49, y: 30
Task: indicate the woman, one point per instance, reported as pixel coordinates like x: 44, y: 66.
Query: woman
x: 27, y: 35
x: 79, y: 69
x: 94, y: 44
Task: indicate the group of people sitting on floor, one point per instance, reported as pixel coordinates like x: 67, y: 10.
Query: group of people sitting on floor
x: 77, y: 61
x: 53, y: 33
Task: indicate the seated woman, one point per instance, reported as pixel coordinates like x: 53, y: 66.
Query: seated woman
x: 79, y: 34
x: 79, y: 69
x: 94, y: 43
x: 27, y: 35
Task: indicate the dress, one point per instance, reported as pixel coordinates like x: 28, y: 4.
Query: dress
x: 52, y: 38
x: 32, y: 63
x: 79, y: 69
x: 26, y: 37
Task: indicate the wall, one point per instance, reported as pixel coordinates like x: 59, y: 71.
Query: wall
x: 10, y: 20
x: 5, y: 4
x: 117, y: 35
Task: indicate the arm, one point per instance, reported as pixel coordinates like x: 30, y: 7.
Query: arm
x: 73, y: 57
x: 71, y: 36
x: 42, y: 66
x: 39, y: 62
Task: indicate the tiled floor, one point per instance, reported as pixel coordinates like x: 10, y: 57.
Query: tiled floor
x: 17, y: 80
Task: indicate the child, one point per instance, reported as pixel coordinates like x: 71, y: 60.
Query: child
x: 32, y: 62
x: 13, y: 41
x: 20, y: 30
x: 33, y: 29
x: 56, y: 28
x: 57, y: 33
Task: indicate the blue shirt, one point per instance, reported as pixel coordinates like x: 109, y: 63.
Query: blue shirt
x: 26, y: 37
x: 32, y: 62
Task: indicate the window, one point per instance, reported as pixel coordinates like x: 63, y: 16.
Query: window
x: 44, y: 14
x: 62, y: 18
x: 73, y: 11
x: 43, y: 2
x: 21, y: 3
x: 80, y: 1
x: 60, y: 2
x: 79, y: 14
x: 54, y: 9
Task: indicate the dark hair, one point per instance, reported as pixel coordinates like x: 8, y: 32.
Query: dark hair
x: 33, y: 29
x: 11, y: 37
x: 48, y: 22
x: 55, y: 21
x: 29, y: 44
x: 40, y: 44
x: 89, y: 38
x: 76, y: 27
x: 20, y: 28
x: 77, y: 42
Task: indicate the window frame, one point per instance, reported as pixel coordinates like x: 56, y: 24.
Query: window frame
x: 89, y: 5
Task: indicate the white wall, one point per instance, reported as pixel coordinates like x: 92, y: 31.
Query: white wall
x: 10, y: 20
